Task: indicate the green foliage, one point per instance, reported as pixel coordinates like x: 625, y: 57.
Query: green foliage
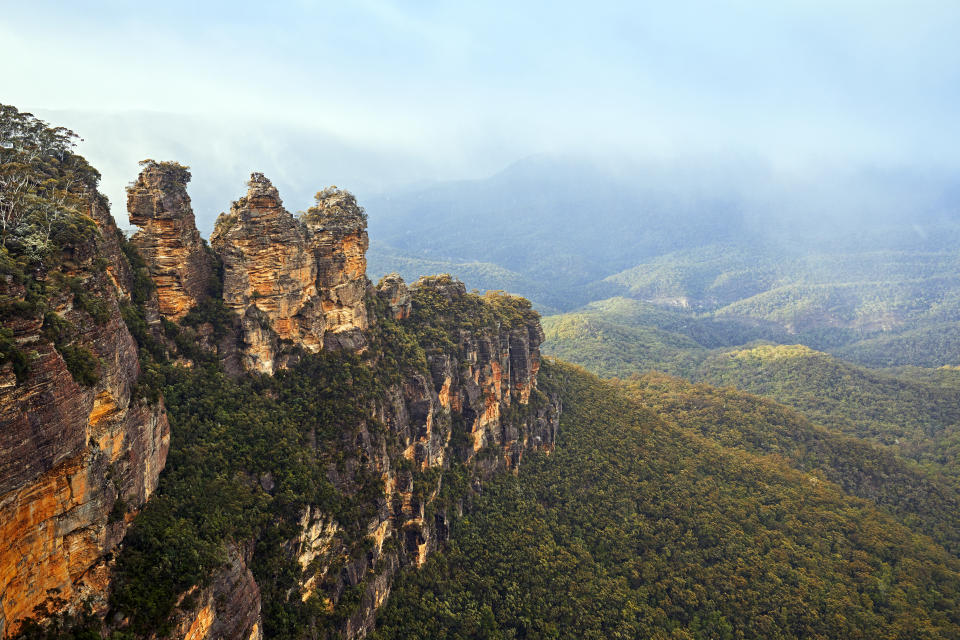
x: 82, y: 625
x: 923, y: 501
x: 45, y: 189
x: 143, y: 285
x: 85, y: 301
x: 928, y: 346
x: 635, y: 527
x: 10, y: 352
x: 919, y: 420
x: 437, y: 319
x: 214, y: 311
x: 174, y: 171
x: 398, y: 350
x: 81, y: 363
x: 227, y: 434
x: 619, y: 350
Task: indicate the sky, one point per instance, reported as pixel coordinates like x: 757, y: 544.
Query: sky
x: 373, y: 94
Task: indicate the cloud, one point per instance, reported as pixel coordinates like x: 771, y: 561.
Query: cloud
x: 451, y: 90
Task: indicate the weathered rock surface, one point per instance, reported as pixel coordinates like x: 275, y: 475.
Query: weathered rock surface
x: 76, y: 462
x: 395, y: 292
x: 479, y: 405
x: 179, y: 263
x: 295, y: 281
x: 229, y: 609
x: 476, y: 403
x: 337, y: 234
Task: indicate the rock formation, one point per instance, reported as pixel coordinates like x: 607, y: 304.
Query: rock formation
x: 80, y: 455
x: 296, y: 281
x: 395, y: 292
x: 180, y: 266
x: 269, y: 276
x: 229, y: 608
x: 337, y: 234
x: 77, y: 460
x: 475, y: 402
x: 479, y: 396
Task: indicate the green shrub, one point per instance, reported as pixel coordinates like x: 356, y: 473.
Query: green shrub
x: 81, y: 363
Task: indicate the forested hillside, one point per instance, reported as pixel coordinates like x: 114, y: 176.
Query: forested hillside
x: 674, y: 527
x: 918, y: 419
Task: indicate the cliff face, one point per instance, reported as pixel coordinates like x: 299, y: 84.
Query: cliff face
x: 229, y: 608
x: 470, y: 409
x: 430, y: 387
x: 168, y: 239
x: 79, y: 452
x: 474, y: 408
x: 467, y: 404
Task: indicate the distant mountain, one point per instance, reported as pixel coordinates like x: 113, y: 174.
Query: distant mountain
x: 570, y: 230
x: 562, y: 223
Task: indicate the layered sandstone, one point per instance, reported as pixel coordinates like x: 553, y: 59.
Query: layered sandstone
x: 229, y: 608
x: 337, y: 234
x: 76, y: 461
x: 168, y: 240
x: 269, y: 276
x: 395, y: 292
x: 475, y: 402
x: 293, y: 282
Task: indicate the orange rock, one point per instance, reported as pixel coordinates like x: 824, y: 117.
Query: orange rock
x: 168, y: 239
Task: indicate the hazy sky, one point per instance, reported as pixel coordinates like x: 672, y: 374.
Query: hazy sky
x: 378, y: 93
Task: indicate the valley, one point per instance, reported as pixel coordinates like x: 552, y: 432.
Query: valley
x: 690, y: 431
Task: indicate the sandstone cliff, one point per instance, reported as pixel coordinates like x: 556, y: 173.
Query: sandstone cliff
x: 79, y: 451
x: 337, y: 234
x: 463, y: 402
x: 469, y: 409
x: 180, y: 266
x: 423, y: 392
x: 474, y: 412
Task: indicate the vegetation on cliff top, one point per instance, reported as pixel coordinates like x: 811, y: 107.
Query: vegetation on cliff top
x: 46, y: 195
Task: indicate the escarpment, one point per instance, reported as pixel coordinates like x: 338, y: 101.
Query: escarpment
x: 461, y: 406
x: 453, y: 401
x: 291, y: 500
x: 80, y: 450
x: 180, y: 266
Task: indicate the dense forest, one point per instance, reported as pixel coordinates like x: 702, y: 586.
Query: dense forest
x: 642, y: 526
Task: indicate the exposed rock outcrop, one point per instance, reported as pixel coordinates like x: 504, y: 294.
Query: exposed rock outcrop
x: 475, y: 402
x: 229, y: 608
x: 395, y: 292
x: 80, y: 453
x: 337, y: 234
x: 479, y: 405
x: 269, y: 276
x: 296, y: 282
x: 77, y: 459
x: 179, y: 263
